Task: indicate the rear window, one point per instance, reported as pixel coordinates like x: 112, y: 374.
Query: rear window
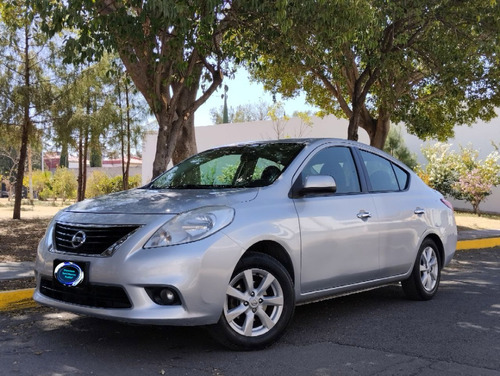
x: 383, y: 175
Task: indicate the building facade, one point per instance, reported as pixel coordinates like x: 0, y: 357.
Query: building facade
x: 481, y: 136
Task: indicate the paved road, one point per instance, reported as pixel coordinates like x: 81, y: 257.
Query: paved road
x: 373, y: 333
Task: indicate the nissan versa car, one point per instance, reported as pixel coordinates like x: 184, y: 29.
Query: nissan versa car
x: 235, y: 237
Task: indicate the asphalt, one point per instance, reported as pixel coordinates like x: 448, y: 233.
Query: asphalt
x: 19, y: 299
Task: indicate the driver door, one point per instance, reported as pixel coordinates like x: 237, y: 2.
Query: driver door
x: 340, y: 241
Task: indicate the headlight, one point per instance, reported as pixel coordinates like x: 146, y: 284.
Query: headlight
x: 191, y: 226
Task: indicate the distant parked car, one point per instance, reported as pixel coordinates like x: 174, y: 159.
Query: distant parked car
x: 4, y: 194
x: 235, y: 237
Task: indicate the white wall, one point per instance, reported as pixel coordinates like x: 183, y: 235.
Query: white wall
x: 479, y: 136
x: 222, y: 134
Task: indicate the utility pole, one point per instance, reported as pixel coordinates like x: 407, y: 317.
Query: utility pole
x: 225, y: 115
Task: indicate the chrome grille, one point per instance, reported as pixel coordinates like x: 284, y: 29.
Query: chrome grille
x: 90, y: 239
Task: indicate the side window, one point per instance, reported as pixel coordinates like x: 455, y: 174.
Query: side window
x: 380, y: 173
x: 402, y: 177
x: 267, y: 171
x: 220, y: 171
x: 338, y: 163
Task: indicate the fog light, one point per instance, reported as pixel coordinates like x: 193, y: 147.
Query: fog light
x: 167, y: 296
x: 163, y: 295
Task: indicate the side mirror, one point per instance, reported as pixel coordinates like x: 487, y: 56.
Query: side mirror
x: 314, y: 184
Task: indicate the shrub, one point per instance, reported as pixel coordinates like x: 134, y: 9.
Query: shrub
x: 64, y: 184
x: 41, y: 180
x: 99, y: 183
x: 461, y: 175
x: 441, y: 171
x: 395, y: 146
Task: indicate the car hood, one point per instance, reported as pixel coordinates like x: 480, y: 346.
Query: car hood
x: 148, y: 201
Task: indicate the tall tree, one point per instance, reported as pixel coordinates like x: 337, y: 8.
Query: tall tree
x: 128, y: 129
x: 94, y: 112
x: 429, y: 64
x: 29, y: 90
x: 169, y: 48
x: 243, y: 113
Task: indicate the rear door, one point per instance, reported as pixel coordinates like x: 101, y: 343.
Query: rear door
x: 401, y: 213
x: 340, y: 241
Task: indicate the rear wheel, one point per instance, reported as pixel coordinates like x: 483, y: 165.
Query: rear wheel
x: 259, y: 304
x: 426, y: 275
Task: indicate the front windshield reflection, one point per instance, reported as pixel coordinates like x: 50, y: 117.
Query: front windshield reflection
x: 255, y: 165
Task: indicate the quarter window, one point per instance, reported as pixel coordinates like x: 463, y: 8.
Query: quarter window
x: 402, y: 177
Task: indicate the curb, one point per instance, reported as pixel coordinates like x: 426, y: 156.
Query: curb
x: 463, y: 245
x: 22, y: 299
x: 16, y: 299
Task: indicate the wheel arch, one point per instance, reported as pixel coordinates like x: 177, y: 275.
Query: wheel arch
x: 440, y: 247
x: 276, y: 251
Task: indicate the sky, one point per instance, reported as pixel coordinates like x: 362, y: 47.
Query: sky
x: 242, y: 91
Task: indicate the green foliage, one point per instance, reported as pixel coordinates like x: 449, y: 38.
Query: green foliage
x: 99, y: 183
x: 461, y: 174
x: 441, y: 171
x: 243, y: 113
x: 169, y: 48
x: 64, y: 184
x: 40, y: 180
x: 396, y: 147
x: 279, y: 119
x: 429, y: 66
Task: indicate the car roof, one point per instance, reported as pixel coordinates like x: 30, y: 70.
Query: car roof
x: 306, y: 141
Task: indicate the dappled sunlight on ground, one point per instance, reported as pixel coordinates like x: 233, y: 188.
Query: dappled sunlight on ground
x: 471, y: 221
x: 38, y: 210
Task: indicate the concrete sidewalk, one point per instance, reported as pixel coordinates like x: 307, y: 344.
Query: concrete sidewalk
x: 16, y: 270
x: 18, y: 299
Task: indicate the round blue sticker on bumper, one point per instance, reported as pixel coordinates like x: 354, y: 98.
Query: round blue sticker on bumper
x: 68, y: 273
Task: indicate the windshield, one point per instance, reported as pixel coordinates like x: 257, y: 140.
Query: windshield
x: 255, y: 165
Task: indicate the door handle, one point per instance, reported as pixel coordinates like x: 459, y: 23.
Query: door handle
x: 364, y: 215
x: 419, y: 211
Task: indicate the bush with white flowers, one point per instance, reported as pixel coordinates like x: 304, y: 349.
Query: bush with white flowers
x: 460, y: 175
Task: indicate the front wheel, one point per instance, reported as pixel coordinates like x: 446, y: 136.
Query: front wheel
x: 259, y: 304
x: 424, y: 280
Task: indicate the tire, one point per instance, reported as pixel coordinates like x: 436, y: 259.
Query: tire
x: 259, y: 304
x: 423, y: 282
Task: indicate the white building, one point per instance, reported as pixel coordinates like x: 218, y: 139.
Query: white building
x: 480, y: 136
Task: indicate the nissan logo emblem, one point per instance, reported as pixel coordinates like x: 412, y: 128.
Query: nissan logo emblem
x: 78, y: 239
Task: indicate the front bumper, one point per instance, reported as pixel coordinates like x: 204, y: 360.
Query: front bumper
x: 199, y: 272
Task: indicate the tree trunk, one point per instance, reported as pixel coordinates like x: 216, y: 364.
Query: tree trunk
x: 377, y: 129
x: 26, y: 130
x: 83, y: 144
x: 30, y: 175
x: 79, y: 195
x: 63, y: 161
x: 85, y: 156
x: 186, y: 144
x: 381, y: 130
x: 128, y: 121
x: 177, y: 129
x: 354, y: 124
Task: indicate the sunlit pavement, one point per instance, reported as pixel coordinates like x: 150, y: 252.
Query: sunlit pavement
x: 378, y: 332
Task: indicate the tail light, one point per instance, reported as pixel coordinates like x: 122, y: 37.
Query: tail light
x: 447, y: 203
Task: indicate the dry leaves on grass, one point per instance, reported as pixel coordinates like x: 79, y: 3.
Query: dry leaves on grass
x: 19, y: 238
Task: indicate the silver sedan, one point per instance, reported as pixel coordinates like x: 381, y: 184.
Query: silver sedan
x: 235, y: 237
